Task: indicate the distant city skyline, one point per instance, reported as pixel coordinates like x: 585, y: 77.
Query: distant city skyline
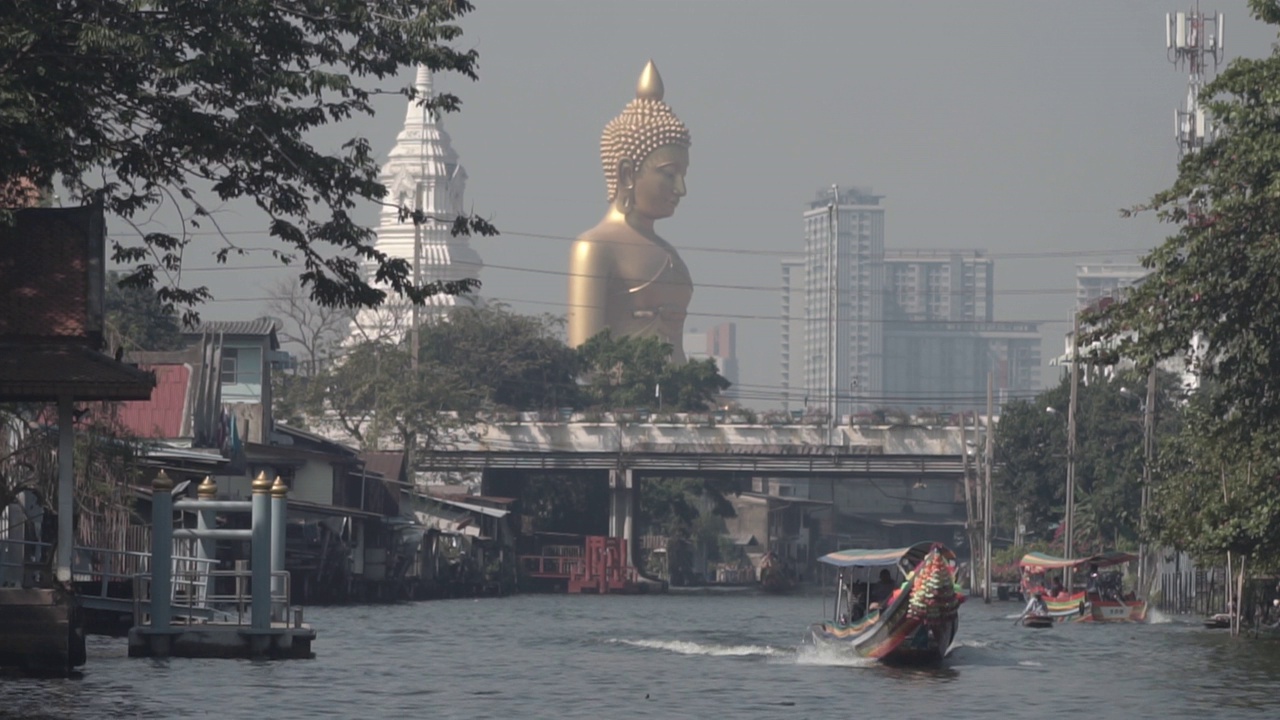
x: 1006, y: 126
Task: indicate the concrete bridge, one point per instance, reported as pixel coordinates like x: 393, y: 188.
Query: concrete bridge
x: 627, y: 451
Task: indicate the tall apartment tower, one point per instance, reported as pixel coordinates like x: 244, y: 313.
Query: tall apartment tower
x: 792, y: 334
x: 939, y: 285
x: 940, y: 337
x: 1094, y: 282
x: 422, y: 172
x: 844, y: 299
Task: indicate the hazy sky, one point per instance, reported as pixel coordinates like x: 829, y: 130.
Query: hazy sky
x: 1015, y: 126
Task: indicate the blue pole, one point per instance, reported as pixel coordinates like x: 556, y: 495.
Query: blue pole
x: 279, y: 512
x: 260, y: 555
x: 161, y: 551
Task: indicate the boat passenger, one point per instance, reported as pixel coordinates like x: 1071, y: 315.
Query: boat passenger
x: 882, y: 590
x: 1057, y: 589
x: 1036, y: 606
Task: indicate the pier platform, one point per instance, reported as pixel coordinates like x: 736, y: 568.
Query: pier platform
x: 280, y: 641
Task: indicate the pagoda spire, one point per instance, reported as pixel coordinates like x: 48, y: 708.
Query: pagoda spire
x: 423, y: 172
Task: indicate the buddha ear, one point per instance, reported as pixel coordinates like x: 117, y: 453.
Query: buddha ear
x: 626, y: 175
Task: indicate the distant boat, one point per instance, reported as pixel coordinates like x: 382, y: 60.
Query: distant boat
x: 915, y: 624
x: 1102, y: 600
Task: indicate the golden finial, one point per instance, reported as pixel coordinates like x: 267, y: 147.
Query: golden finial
x: 162, y: 481
x: 261, y: 484
x: 279, y: 489
x: 650, y: 85
x: 208, y: 488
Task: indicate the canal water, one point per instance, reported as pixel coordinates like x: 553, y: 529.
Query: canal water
x: 724, y: 655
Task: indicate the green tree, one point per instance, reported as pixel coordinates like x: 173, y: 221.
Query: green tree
x: 505, y: 359
x: 196, y: 104
x: 1234, y: 491
x: 1030, y: 472
x: 379, y: 400
x: 137, y: 319
x: 1216, y: 277
x: 628, y: 372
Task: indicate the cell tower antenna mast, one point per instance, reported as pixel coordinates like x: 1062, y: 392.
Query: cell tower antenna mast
x: 1191, y: 39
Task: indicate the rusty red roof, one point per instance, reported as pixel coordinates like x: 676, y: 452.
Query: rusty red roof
x: 163, y: 415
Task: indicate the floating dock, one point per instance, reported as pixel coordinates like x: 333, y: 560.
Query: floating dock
x: 178, y: 609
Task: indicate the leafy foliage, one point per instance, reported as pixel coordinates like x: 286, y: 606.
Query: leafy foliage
x: 195, y: 104
x: 1217, y: 275
x: 505, y: 359
x: 627, y: 372
x: 1234, y: 490
x: 137, y: 319
x: 1031, y: 458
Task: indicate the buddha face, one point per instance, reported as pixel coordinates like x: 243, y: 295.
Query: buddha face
x: 659, y: 184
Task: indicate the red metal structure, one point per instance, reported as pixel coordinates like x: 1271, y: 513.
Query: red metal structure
x: 604, y: 568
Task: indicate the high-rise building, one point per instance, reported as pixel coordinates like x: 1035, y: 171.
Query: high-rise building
x: 720, y: 343
x: 943, y: 365
x: 792, y: 332
x: 844, y: 254
x: 422, y: 172
x: 912, y: 329
x: 940, y: 337
x: 1094, y: 282
x: 939, y: 285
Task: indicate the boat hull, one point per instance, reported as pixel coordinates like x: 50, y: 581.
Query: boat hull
x: 910, y: 643
x: 1080, y: 607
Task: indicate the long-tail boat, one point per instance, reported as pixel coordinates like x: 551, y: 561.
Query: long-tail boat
x: 914, y: 623
x: 1102, y: 598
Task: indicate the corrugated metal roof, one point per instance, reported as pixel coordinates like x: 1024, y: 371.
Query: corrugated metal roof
x: 491, y: 512
x: 260, y: 326
x: 388, y: 464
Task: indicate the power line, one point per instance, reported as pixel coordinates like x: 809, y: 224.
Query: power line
x: 1024, y: 255
x: 726, y: 316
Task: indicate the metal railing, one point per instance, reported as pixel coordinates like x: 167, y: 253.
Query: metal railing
x: 232, y: 608
x: 106, y: 566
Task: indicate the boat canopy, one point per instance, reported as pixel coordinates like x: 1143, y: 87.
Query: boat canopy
x: 884, y: 558
x: 1041, y: 561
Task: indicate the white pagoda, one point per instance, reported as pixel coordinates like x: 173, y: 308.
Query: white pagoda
x: 422, y: 171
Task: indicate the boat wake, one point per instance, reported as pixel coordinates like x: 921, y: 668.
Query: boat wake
x: 1155, y: 617
x: 829, y: 656
x: 685, y: 647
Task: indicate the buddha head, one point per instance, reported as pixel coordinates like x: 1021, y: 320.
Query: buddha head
x: 646, y: 153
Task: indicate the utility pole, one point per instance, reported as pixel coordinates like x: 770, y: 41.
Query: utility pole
x: 833, y: 305
x: 1067, y: 530
x: 968, y: 498
x: 988, y: 509
x: 1148, y: 450
x: 414, y: 318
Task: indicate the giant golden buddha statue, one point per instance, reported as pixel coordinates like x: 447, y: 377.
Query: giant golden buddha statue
x: 622, y: 276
